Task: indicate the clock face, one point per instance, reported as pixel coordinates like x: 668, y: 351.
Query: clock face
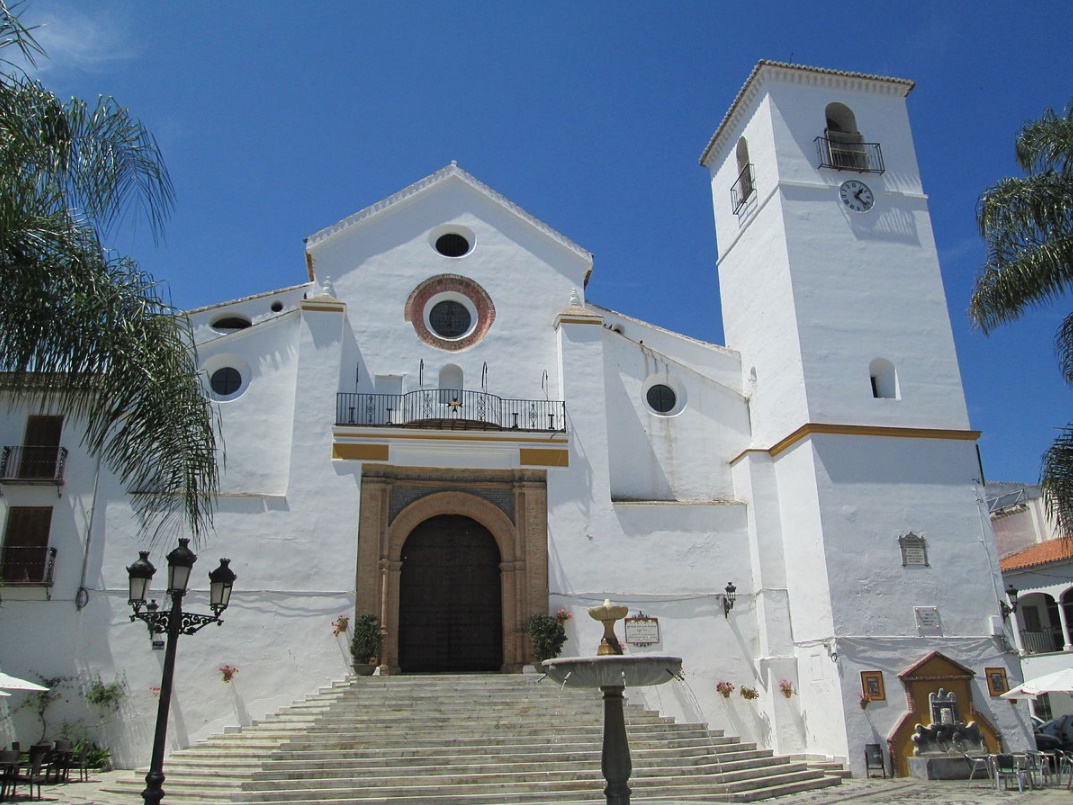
x: 856, y: 195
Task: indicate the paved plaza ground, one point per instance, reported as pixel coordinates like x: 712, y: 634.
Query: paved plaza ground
x: 896, y: 792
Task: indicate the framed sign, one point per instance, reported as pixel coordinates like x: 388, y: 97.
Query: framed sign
x: 996, y: 681
x: 872, y: 686
x: 642, y: 631
x: 914, y: 550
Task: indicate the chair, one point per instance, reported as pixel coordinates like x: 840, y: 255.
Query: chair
x: 59, y: 762
x: 1065, y: 766
x: 1039, y: 767
x: 978, y: 763
x: 37, y: 768
x: 83, y: 762
x: 9, y: 772
x: 1007, y: 767
x: 873, y: 759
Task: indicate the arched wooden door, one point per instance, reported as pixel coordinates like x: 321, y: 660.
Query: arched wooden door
x: 450, y: 613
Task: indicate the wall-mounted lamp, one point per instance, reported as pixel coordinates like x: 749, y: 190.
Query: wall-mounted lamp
x: 1011, y: 607
x: 832, y: 649
x: 730, y: 594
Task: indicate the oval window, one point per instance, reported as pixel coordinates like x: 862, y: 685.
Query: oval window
x: 225, y: 381
x: 661, y: 398
x: 452, y: 245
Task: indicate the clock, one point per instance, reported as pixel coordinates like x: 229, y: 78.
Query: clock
x: 856, y: 195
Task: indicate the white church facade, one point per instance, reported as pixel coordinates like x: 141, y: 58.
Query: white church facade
x: 438, y: 427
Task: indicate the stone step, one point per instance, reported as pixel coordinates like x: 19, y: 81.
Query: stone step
x: 464, y: 740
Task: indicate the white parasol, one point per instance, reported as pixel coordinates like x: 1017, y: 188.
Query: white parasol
x: 1054, y: 682
x: 9, y: 682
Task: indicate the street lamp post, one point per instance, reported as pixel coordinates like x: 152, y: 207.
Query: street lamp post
x: 172, y: 622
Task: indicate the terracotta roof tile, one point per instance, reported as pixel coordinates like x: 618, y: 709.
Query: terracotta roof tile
x: 1052, y: 550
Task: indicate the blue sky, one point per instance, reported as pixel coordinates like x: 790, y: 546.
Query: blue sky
x: 278, y: 119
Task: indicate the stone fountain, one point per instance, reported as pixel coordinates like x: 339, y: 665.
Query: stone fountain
x: 611, y: 672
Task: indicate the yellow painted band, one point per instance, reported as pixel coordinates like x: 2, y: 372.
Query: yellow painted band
x: 534, y: 457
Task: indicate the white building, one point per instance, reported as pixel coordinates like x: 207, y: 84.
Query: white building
x: 439, y: 428
x: 1038, y: 564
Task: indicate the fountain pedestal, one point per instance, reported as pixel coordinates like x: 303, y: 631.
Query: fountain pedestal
x: 611, y: 671
x: 611, y: 674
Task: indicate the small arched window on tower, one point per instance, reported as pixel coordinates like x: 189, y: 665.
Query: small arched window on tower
x: 743, y: 188
x: 842, y: 145
x: 884, y: 379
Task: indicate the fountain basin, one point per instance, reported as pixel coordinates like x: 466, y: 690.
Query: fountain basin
x: 620, y: 671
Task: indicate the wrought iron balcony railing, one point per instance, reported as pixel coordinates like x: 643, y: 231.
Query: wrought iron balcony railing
x: 1042, y: 642
x: 27, y: 564
x: 32, y: 464
x: 847, y: 152
x: 449, y: 409
x: 742, y: 189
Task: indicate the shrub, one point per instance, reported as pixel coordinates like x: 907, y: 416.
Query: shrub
x: 107, y: 697
x: 365, y: 644
x: 547, y: 635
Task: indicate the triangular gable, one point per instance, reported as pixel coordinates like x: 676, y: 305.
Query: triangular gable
x: 936, y: 666
x: 449, y: 173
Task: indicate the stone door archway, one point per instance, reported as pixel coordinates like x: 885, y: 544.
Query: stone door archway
x: 511, y: 505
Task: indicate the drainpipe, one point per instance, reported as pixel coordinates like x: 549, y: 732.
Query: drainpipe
x: 82, y: 596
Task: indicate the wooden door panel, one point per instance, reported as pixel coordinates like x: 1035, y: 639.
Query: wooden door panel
x: 450, y: 616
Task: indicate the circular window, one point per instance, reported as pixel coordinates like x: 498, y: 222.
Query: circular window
x: 661, y: 398
x: 225, y: 381
x: 449, y: 318
x: 277, y: 307
x: 450, y: 312
x: 452, y: 245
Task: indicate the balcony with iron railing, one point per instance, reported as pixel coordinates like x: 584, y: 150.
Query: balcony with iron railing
x: 27, y: 564
x: 847, y: 152
x: 1042, y: 642
x: 32, y: 464
x: 449, y: 409
x: 743, y: 188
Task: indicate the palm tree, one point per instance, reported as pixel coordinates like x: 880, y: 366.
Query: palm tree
x: 83, y: 331
x: 1028, y: 225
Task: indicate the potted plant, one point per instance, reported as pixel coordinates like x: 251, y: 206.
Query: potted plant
x: 748, y: 693
x: 365, y: 644
x: 340, y: 625
x: 787, y: 688
x: 725, y: 688
x: 547, y: 635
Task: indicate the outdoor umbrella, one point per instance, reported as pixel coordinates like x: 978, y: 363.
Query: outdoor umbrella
x: 9, y: 682
x: 1054, y: 682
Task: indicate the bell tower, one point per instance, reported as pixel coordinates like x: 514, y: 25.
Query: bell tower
x: 828, y: 271
x: 870, y: 548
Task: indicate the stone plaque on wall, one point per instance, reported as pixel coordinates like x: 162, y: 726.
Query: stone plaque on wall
x: 642, y: 631
x: 914, y: 550
x: 928, y: 618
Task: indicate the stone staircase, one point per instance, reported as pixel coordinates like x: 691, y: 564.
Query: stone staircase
x: 464, y: 740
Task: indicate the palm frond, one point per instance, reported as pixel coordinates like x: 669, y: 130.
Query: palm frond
x: 86, y: 332
x: 1057, y: 481
x: 1047, y: 143
x: 1063, y: 348
x: 14, y: 33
